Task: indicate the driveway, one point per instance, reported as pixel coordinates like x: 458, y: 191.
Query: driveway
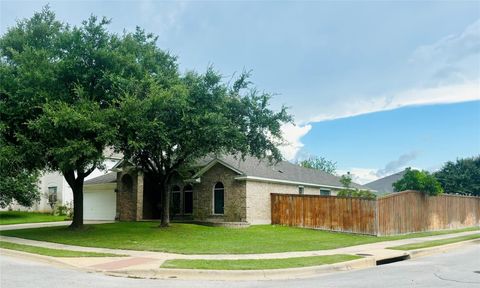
x: 459, y: 268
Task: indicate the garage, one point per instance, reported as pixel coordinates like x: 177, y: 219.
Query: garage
x: 99, y: 198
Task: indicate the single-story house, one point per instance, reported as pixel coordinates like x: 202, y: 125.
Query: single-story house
x: 385, y: 185
x: 222, y: 189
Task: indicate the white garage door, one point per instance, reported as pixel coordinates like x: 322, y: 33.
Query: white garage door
x: 99, y: 205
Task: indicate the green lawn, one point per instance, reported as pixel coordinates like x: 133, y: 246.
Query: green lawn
x: 52, y: 252
x: 433, y: 243
x: 198, y: 239
x: 257, y: 264
x: 18, y: 217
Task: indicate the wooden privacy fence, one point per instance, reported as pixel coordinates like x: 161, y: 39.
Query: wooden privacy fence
x: 399, y: 213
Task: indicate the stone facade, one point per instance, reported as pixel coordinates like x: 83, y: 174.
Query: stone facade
x: 235, y: 196
x: 129, y: 196
x: 244, y: 200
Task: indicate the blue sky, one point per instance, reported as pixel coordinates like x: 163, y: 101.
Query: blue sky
x: 372, y: 85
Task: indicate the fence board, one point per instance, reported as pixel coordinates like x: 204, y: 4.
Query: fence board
x: 399, y: 213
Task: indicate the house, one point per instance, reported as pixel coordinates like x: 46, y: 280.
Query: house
x: 53, y: 185
x: 385, y: 185
x: 222, y: 189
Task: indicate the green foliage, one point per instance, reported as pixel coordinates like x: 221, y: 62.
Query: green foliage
x: 170, y: 126
x: 64, y: 210
x: 16, y: 183
x: 419, y: 181
x: 319, y: 163
x: 357, y: 193
x: 346, y: 180
x: 461, y: 177
x: 21, y: 187
x: 57, y: 85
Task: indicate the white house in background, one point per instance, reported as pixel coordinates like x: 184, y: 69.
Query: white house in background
x: 54, y: 183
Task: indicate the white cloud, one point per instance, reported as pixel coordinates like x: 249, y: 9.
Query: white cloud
x: 361, y: 175
x: 292, y: 135
x: 397, y: 164
x: 417, y: 96
x: 447, y: 71
x: 163, y: 15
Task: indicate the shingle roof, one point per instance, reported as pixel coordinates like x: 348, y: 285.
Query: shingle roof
x: 385, y: 184
x: 283, y: 170
x: 107, y: 178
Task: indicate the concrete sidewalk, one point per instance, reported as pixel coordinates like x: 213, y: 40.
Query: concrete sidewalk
x: 45, y: 224
x: 147, y: 263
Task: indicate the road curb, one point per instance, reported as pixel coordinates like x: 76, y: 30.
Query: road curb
x: 36, y: 257
x: 268, y: 274
x: 236, y: 275
x: 439, y: 249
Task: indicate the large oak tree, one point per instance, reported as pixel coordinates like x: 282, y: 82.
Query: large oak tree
x: 57, y: 84
x: 170, y: 126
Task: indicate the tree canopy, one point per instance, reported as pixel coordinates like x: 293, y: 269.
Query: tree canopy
x: 170, y: 126
x: 461, y: 176
x: 319, y: 163
x: 16, y: 182
x: 58, y: 84
x: 419, y: 181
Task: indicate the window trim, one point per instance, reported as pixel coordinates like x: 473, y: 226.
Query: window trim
x: 328, y: 190
x: 213, y: 198
x: 187, y: 191
x: 301, y: 190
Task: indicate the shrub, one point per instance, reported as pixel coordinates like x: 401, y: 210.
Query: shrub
x: 357, y: 193
x: 420, y: 181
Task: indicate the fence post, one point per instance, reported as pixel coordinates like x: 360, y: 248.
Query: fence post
x: 377, y: 225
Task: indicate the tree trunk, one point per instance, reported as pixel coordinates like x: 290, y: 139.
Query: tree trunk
x: 77, y: 189
x: 165, y: 221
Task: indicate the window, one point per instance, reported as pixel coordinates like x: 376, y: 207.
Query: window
x: 301, y: 190
x: 325, y: 192
x: 175, y: 200
x: 188, y: 199
x: 218, y: 198
x: 52, y: 195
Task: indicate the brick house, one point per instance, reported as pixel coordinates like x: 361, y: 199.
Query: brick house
x: 222, y: 189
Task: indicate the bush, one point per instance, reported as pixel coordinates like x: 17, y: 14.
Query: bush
x: 357, y: 193
x: 65, y: 210
x: 420, y: 181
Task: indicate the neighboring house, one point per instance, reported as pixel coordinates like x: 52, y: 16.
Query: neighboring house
x: 385, y: 185
x: 54, y: 184
x: 224, y: 189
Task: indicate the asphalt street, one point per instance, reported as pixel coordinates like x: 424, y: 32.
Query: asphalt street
x: 459, y: 268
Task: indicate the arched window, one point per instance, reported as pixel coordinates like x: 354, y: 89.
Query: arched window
x: 176, y: 207
x: 188, y: 199
x: 218, y: 198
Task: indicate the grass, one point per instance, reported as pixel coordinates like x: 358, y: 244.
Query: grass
x: 18, y: 217
x: 52, y: 252
x: 257, y: 264
x: 434, y: 243
x: 198, y: 239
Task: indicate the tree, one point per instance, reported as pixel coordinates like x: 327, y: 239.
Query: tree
x: 346, y: 180
x: 57, y: 85
x: 347, y: 191
x: 461, y: 177
x: 419, y: 181
x: 319, y: 163
x: 16, y: 183
x: 171, y: 126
